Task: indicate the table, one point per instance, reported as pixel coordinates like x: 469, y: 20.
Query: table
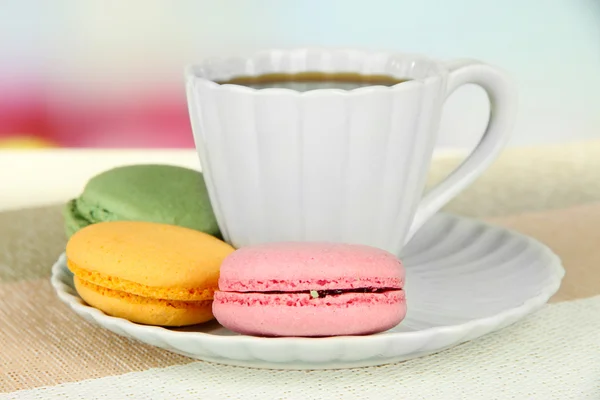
x: 47, y: 351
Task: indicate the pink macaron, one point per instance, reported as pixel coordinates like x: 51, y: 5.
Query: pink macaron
x: 310, y: 289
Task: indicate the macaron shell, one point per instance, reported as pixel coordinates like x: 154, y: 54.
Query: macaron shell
x: 313, y: 266
x: 298, y: 314
x: 154, y: 193
x: 149, y: 254
x: 143, y: 310
x: 150, y: 292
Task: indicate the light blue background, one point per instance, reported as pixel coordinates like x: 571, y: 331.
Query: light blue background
x: 551, y: 47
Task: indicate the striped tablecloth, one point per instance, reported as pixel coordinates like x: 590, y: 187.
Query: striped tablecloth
x: 47, y: 351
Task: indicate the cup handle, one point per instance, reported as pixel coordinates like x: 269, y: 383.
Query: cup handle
x: 503, y: 107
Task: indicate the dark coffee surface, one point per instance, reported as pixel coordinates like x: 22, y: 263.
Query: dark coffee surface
x: 314, y: 80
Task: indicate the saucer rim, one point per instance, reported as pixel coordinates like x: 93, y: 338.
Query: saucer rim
x: 485, y: 325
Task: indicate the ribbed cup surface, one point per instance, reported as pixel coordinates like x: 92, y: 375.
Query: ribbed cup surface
x: 323, y: 165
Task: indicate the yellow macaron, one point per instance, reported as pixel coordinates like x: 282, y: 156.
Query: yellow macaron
x: 150, y: 273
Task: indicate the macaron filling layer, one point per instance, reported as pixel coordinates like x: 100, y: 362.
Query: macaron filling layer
x: 315, y: 288
x: 336, y: 292
x: 141, y: 299
x: 329, y: 292
x: 304, y: 299
x: 126, y: 286
x: 299, y: 285
x: 311, y: 288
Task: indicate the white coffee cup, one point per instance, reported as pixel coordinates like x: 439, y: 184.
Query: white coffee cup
x: 329, y: 164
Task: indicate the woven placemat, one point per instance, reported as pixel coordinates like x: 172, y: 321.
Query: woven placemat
x: 43, y: 343
x: 554, y: 354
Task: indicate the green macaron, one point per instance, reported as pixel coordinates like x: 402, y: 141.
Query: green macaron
x: 154, y: 193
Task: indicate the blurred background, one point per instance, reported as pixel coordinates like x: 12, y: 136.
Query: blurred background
x: 109, y: 74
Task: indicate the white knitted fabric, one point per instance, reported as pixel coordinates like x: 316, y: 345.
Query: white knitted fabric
x: 555, y: 354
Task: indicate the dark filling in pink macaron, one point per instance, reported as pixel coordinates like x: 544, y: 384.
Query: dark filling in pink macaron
x: 333, y: 292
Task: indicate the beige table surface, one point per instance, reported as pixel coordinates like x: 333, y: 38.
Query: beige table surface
x: 541, y: 192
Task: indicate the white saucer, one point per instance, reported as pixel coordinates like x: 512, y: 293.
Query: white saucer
x: 464, y: 279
